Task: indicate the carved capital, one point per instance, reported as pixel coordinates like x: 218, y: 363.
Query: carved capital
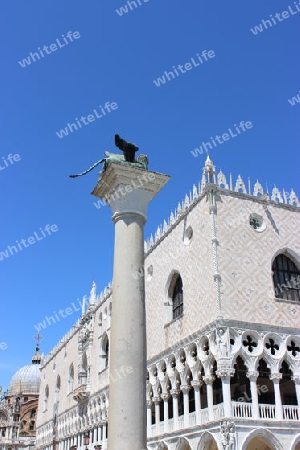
x: 252, y: 375
x: 149, y: 403
x: 225, y: 372
x: 296, y: 378
x: 165, y: 397
x: 196, y: 384
x: 185, y: 389
x: 276, y: 376
x: 208, y: 379
x: 156, y: 400
x: 175, y: 393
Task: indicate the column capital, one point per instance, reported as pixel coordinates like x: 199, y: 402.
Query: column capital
x: 296, y: 378
x: 225, y: 373
x: 185, y: 388
x: 275, y: 377
x: 196, y: 383
x: 128, y: 189
x: 156, y: 400
x: 252, y: 375
x: 175, y: 393
x: 165, y: 396
x: 208, y: 379
x: 149, y: 403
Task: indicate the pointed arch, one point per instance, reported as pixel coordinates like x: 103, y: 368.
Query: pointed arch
x: 174, y: 294
x: 262, y: 435
x: 162, y: 446
x: 240, y: 383
x: 296, y: 442
x: 71, y: 378
x: 183, y: 444
x: 286, y: 275
x: 104, y: 352
x: 267, y: 396
x: 287, y: 385
x: 207, y: 441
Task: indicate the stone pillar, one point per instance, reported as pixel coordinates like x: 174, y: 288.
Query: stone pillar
x: 175, y: 394
x: 103, y: 434
x: 156, y: 401
x: 186, y: 405
x: 165, y: 398
x: 254, y: 396
x: 128, y: 190
x: 210, y: 397
x: 225, y: 373
x: 149, y: 413
x: 296, y: 379
x: 196, y: 385
x: 275, y: 377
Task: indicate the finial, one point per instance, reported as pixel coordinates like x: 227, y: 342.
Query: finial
x: 36, y: 359
x: 38, y: 339
x: 93, y: 296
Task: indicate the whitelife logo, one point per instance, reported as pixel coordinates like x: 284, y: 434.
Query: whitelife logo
x: 187, y: 66
x: 225, y: 136
x: 267, y: 23
x: 11, y: 158
x: 294, y: 100
x: 90, y: 118
x: 31, y: 240
x: 53, y: 47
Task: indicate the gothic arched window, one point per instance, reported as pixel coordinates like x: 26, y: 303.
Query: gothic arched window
x: 71, y: 378
x: 177, y: 298
x: 46, y: 397
x: 106, y: 353
x: 286, y: 278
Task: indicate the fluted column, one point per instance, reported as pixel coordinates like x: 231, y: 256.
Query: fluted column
x: 197, y: 385
x: 210, y: 397
x: 175, y: 394
x: 254, y: 395
x: 128, y: 190
x: 165, y: 398
x: 186, y: 406
x: 275, y: 377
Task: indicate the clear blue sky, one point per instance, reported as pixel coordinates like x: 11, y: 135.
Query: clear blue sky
x: 115, y: 59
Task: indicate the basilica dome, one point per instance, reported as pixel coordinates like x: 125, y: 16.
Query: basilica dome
x: 26, y: 380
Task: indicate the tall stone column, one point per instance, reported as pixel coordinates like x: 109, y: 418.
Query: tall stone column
x: 209, y: 379
x: 165, y: 398
x: 175, y: 395
x: 296, y: 379
x: 254, y: 396
x: 275, y: 377
x: 156, y: 401
x: 225, y: 374
x: 128, y: 190
x: 197, y: 385
x: 186, y: 404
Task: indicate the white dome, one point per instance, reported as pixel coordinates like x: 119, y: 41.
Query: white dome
x: 26, y: 380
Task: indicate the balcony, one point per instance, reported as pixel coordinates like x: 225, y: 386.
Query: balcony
x: 240, y: 410
x: 81, y: 394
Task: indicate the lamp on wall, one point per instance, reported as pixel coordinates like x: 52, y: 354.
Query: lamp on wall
x: 86, y: 439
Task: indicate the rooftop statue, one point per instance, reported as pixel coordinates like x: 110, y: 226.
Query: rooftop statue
x: 128, y: 158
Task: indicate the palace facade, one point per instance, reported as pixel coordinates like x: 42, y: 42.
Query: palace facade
x: 222, y: 281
